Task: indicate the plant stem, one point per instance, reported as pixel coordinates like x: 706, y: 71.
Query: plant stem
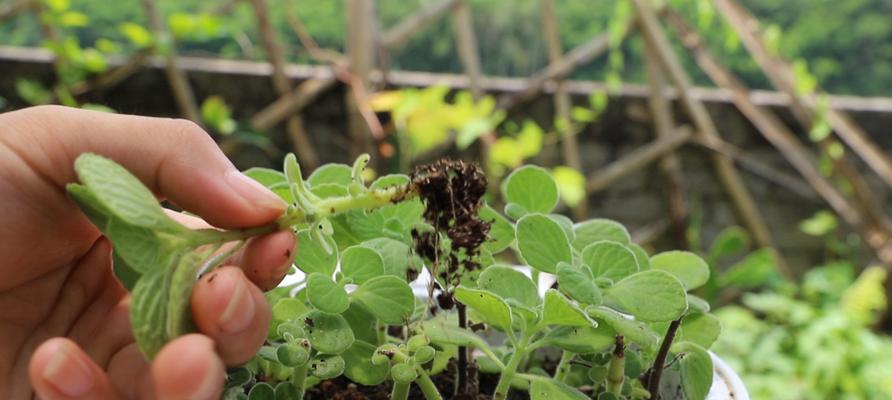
x: 508, y: 373
x: 563, y: 366
x: 400, y: 391
x: 617, y: 369
x: 299, y: 379
x: 427, y: 386
x: 461, y: 385
x: 656, y: 371
x: 213, y: 236
x: 381, y: 331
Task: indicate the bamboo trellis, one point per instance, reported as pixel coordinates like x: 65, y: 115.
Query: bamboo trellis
x: 368, y: 48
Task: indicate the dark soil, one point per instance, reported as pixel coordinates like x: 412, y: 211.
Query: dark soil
x: 343, y: 389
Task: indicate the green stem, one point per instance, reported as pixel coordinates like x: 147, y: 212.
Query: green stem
x: 617, y: 370
x: 213, y: 236
x: 563, y: 366
x: 427, y: 386
x: 299, y: 379
x: 381, y: 331
x: 400, y: 391
x: 504, y: 385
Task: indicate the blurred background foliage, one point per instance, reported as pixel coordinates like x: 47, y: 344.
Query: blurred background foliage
x: 848, y: 42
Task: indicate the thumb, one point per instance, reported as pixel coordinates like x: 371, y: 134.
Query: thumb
x: 175, y: 158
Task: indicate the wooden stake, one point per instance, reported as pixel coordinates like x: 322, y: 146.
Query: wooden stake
x: 670, y: 164
x: 638, y: 159
x: 397, y: 36
x: 179, y: 84
x: 728, y: 175
x: 562, y: 101
x: 361, y: 33
x: 302, y: 145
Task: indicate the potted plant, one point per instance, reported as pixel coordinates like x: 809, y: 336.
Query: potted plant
x: 619, y: 323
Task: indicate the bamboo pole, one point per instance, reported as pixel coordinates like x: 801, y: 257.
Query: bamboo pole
x: 773, y: 129
x: 303, y: 147
x: 804, y: 104
x: 397, y: 36
x: 732, y: 182
x: 638, y: 158
x: 179, y: 84
x: 291, y: 103
x: 670, y: 164
x: 361, y: 32
x: 12, y: 8
x: 466, y: 42
x: 562, y: 101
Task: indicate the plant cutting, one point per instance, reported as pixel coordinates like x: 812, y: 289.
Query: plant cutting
x: 617, y: 322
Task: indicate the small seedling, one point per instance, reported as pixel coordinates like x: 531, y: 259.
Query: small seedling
x: 618, y: 316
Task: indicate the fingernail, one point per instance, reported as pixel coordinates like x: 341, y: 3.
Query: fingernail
x: 239, y: 311
x: 210, y: 386
x: 67, y: 373
x: 253, y: 192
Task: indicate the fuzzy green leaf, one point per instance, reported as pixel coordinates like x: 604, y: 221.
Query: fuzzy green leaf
x: 388, y: 298
x: 696, y: 370
x: 532, y: 188
x: 609, y: 259
x: 686, y: 266
x: 326, y: 295
x: 581, y: 340
x: 509, y: 283
x: 550, y: 389
x: 578, y: 284
x: 123, y: 194
x: 701, y: 329
x: 327, y: 367
x: 390, y: 180
x: 558, y: 310
x: 489, y: 306
x: 651, y: 296
x: 636, y: 331
x: 542, y: 243
x: 594, y: 230
x: 501, y: 233
x: 338, y: 174
x: 359, y: 367
x: 328, y: 333
x: 310, y: 256
x: 394, y: 253
x: 361, y: 263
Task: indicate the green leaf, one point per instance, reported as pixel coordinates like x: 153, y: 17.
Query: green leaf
x: 394, y: 253
x: 362, y: 322
x: 361, y: 263
x: 292, y: 355
x: 328, y: 190
x: 310, y: 256
x: 566, y: 224
x: 608, y: 259
x: 359, y: 367
x: 581, y: 340
x: 542, y: 243
x: 571, y: 184
x: 327, y: 367
x: 501, y: 233
x: 288, y: 308
x: 756, y: 269
x: 696, y: 370
x: 509, y: 283
x: 127, y: 275
x: 558, y: 310
x: 266, y: 176
x: 339, y: 174
x: 387, y: 181
x: 532, y: 188
x: 702, y: 329
x: 489, y: 306
x: 578, y: 284
x: 445, y: 331
x: 123, y: 194
x: 595, y: 230
x: 262, y: 391
x: 159, y: 310
x: 636, y: 331
x: 136, y: 34
x: 550, y: 389
x: 388, y: 298
x: 688, y: 267
x: 650, y: 296
x: 286, y: 391
x: 729, y: 242
x: 640, y: 255
x: 326, y: 295
x: 328, y: 333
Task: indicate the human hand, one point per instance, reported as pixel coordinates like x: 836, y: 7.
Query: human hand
x: 64, y: 318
